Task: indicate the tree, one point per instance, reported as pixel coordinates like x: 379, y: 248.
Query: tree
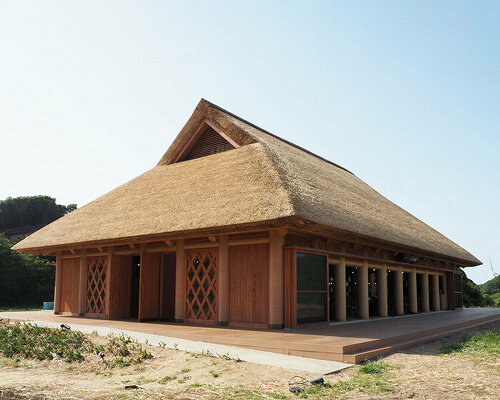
x: 30, y: 211
x: 492, y: 286
x: 472, y: 294
x: 25, y: 280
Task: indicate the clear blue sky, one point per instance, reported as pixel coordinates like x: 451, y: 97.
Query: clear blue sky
x: 406, y: 94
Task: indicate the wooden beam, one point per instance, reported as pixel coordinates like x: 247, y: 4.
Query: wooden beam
x: 168, y: 242
x: 282, y: 232
x: 72, y: 251
x: 245, y: 241
x: 212, y: 238
x: 161, y: 249
x: 200, y: 245
x: 131, y: 245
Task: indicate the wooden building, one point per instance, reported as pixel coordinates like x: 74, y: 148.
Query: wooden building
x: 236, y: 226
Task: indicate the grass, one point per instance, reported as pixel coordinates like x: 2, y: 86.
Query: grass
x: 479, y: 346
x: 370, y: 378
x: 15, y: 309
x: 165, y: 379
x: 29, y: 340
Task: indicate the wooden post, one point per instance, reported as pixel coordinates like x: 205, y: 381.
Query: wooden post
x: 413, y: 292
x: 108, y: 283
x: 340, y: 291
x: 398, y: 282
x: 276, y: 242
x: 223, y: 289
x: 364, y: 305
x: 382, y: 291
x: 450, y: 291
x: 58, y: 284
x: 180, y: 281
x: 445, y: 290
x: 82, y: 286
x: 435, y: 292
x: 425, y: 292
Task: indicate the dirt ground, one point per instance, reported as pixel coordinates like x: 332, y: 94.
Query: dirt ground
x: 416, y: 373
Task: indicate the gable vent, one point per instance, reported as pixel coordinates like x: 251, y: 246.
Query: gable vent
x: 209, y: 142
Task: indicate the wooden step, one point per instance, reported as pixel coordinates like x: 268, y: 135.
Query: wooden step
x: 368, y: 354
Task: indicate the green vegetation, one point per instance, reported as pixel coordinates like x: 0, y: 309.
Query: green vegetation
x: 371, y: 378
x: 165, y: 379
x: 27, y: 211
x: 475, y: 296
x: 491, y: 287
x: 491, y: 291
x: 27, y: 281
x: 32, y: 341
x: 480, y: 346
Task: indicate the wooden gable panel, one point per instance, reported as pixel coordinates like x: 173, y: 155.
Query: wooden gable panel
x: 209, y: 142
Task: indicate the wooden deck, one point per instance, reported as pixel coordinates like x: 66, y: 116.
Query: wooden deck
x: 348, y: 342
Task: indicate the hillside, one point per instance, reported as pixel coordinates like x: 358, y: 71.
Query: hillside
x: 26, y: 280
x: 492, y: 286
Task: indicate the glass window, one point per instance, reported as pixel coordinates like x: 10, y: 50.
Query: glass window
x: 312, y: 288
x: 311, y: 307
x: 311, y: 272
x: 457, y: 282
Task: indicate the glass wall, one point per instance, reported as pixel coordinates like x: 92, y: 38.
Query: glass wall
x: 312, y: 288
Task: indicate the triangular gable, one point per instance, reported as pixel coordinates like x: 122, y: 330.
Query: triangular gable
x: 206, y: 140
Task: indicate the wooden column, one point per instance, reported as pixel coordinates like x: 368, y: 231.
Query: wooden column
x: 340, y: 291
x: 398, y: 290
x: 108, y: 282
x: 445, y: 290
x: 58, y: 284
x: 413, y: 292
x: 363, y: 302
x: 223, y: 288
x: 435, y: 292
x: 382, y: 291
x: 82, y: 285
x: 425, y: 292
x: 180, y: 281
x: 276, y: 242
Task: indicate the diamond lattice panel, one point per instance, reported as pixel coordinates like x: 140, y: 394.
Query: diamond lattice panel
x: 201, y: 284
x: 96, y: 285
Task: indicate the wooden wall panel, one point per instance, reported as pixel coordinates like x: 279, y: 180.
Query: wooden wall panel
x: 249, y: 283
x: 168, y: 287
x: 70, y: 278
x: 120, y: 280
x: 149, y: 292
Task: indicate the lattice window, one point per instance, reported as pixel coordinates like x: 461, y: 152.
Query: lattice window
x: 201, y: 284
x: 96, y: 285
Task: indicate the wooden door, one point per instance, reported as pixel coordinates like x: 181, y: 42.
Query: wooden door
x: 249, y: 283
x: 70, y: 278
x: 201, y: 284
x: 149, y: 290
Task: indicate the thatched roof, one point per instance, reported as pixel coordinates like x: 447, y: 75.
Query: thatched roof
x: 267, y: 181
